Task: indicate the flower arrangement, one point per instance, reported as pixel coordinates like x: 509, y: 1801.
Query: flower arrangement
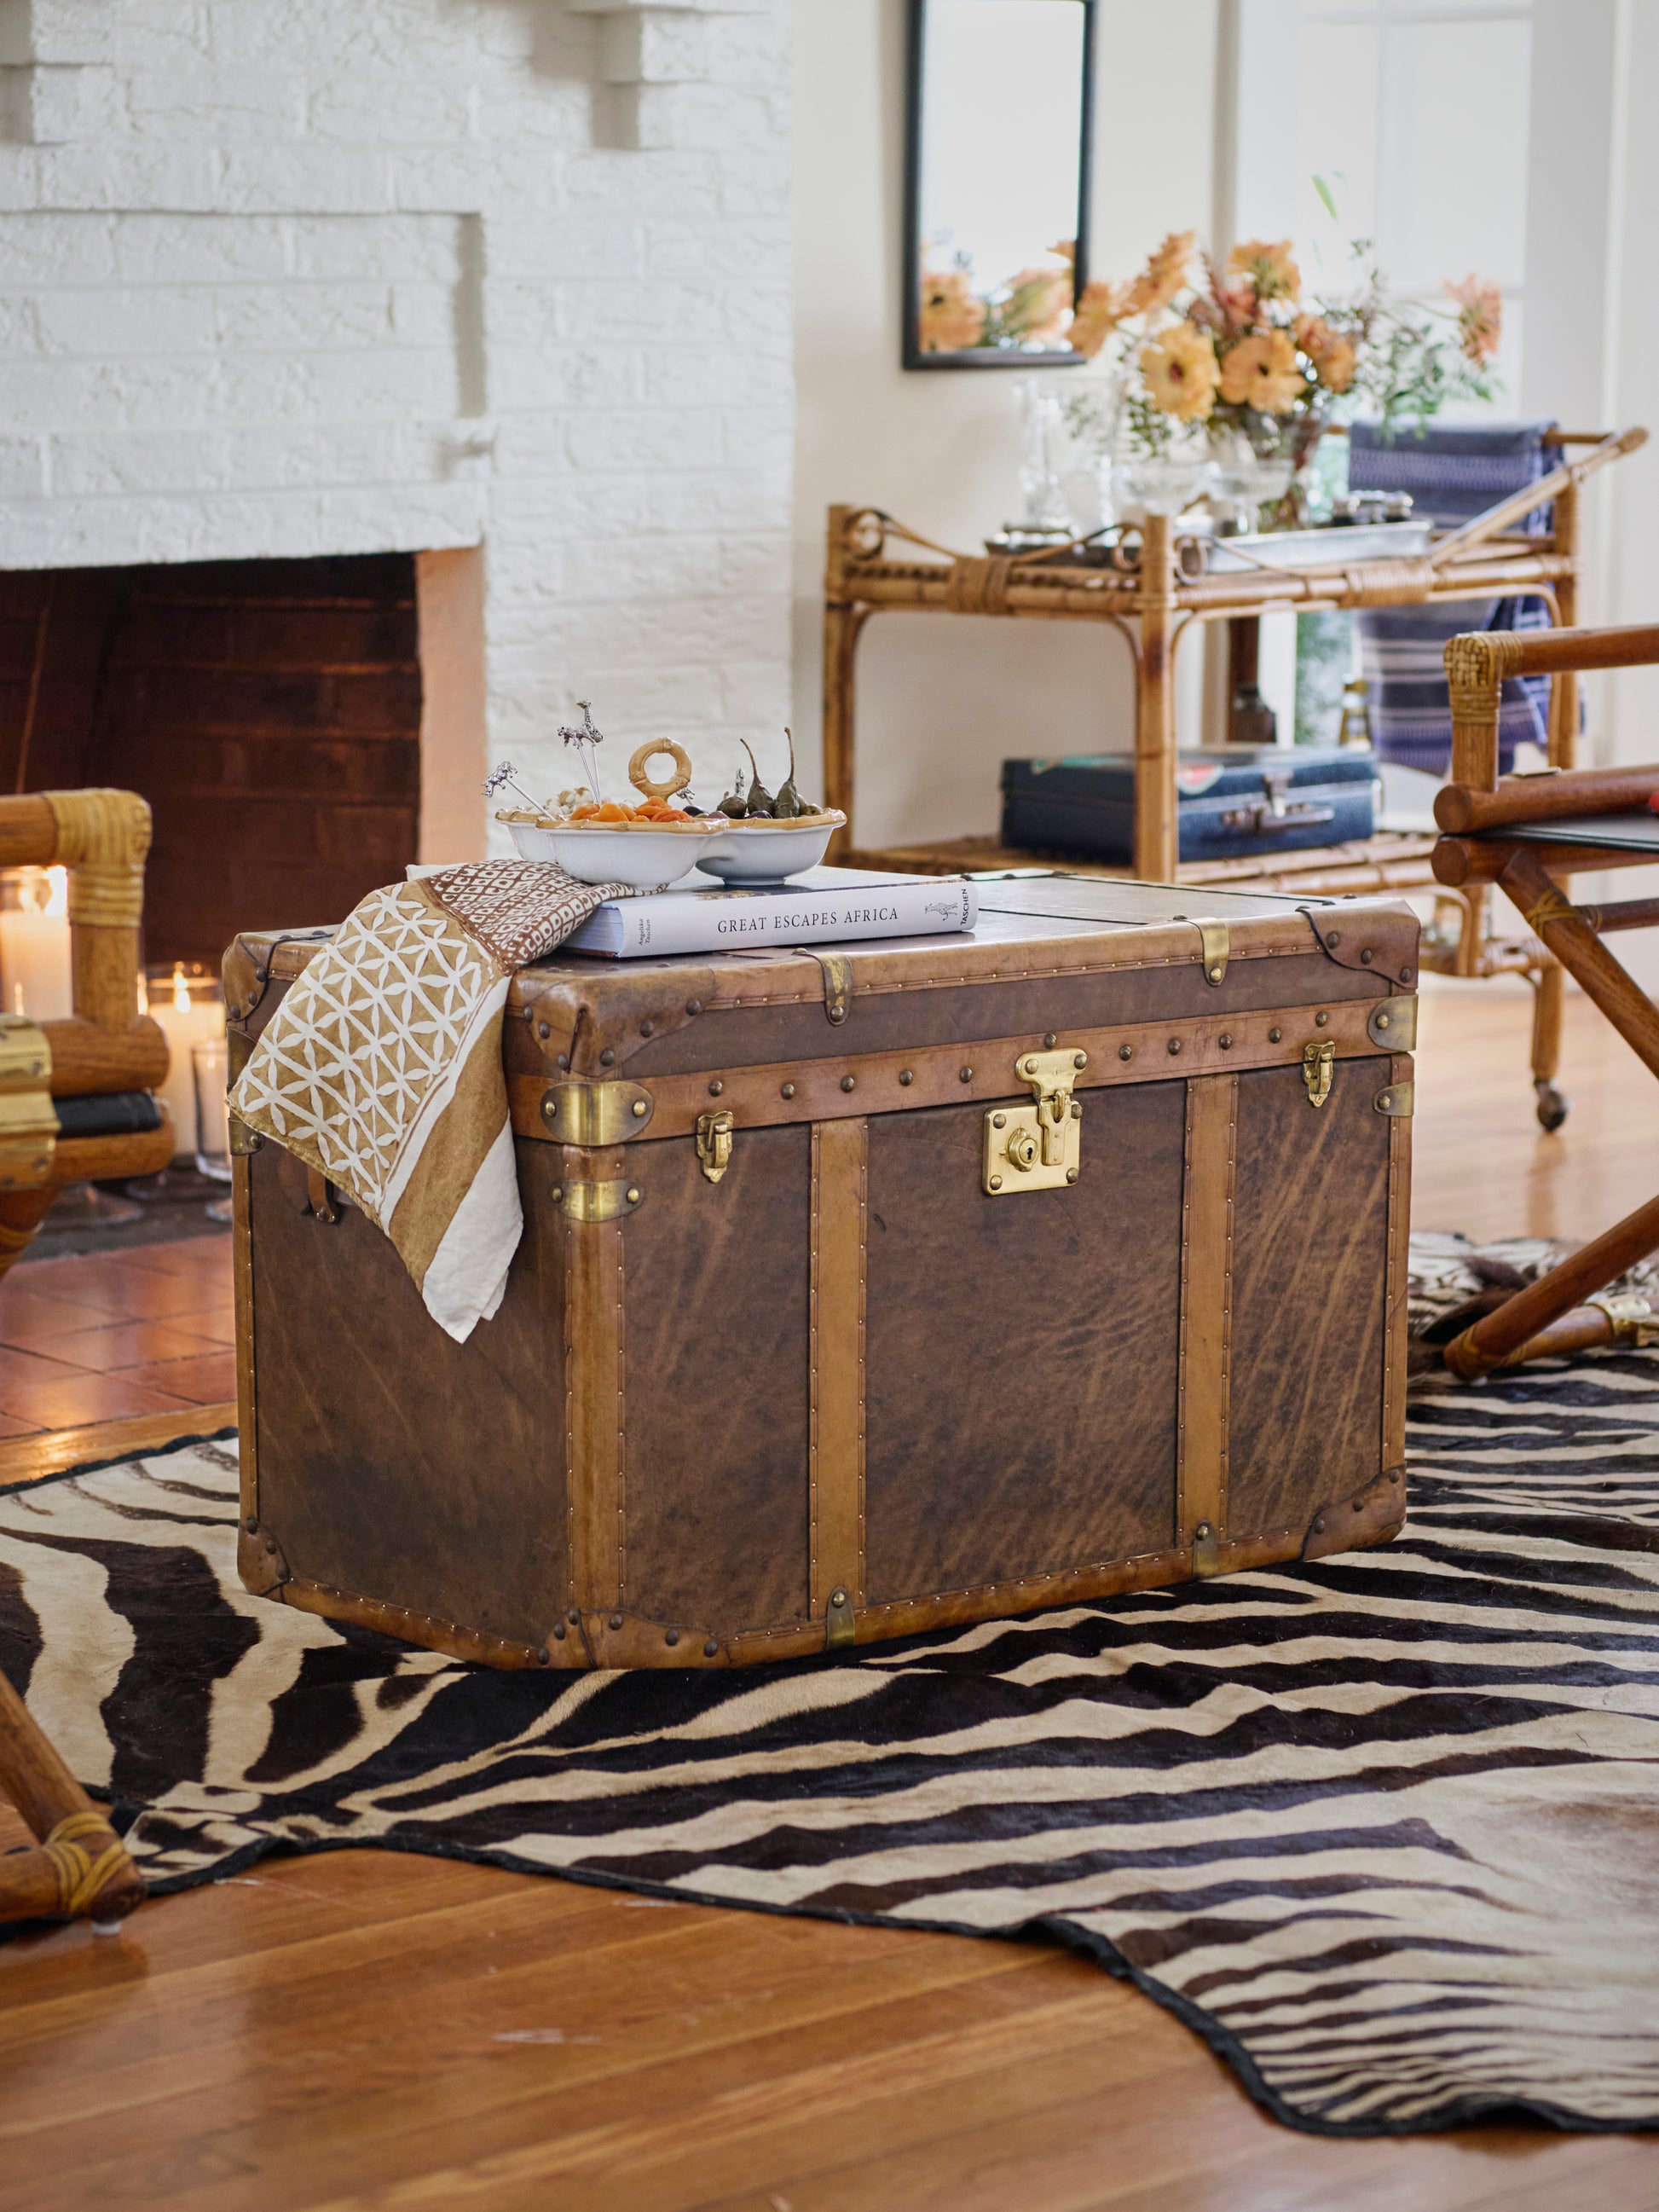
x: 1241, y: 349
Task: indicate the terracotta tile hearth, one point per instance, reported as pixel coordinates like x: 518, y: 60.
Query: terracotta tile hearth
x: 105, y: 1336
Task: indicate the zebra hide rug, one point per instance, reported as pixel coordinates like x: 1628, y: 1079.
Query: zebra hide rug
x: 1382, y: 1828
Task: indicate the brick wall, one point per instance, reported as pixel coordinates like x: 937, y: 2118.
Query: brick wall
x: 269, y: 710
x: 293, y: 278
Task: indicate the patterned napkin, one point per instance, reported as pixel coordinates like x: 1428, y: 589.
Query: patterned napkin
x: 382, y: 1067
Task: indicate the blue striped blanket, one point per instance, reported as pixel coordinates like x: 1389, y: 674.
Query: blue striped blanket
x: 1453, y: 472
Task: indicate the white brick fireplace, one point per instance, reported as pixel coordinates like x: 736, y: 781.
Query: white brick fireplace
x: 304, y: 277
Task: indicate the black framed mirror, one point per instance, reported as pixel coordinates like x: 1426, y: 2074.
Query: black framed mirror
x: 999, y: 130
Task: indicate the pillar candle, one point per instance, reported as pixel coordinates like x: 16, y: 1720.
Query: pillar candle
x: 186, y: 1009
x: 35, y: 974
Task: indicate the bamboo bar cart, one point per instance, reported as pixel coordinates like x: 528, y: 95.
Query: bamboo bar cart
x: 1523, y: 834
x: 1155, y: 607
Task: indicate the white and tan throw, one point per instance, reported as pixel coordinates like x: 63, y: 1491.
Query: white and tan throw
x: 382, y: 1067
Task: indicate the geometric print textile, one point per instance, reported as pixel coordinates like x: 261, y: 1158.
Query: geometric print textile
x: 381, y: 1068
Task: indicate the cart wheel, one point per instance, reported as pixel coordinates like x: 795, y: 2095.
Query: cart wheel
x: 1553, y: 1105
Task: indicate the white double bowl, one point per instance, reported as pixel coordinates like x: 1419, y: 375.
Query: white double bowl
x: 651, y: 856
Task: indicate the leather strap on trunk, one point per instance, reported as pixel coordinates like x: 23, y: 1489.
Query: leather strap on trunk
x: 1207, y: 1281
x: 840, y: 1178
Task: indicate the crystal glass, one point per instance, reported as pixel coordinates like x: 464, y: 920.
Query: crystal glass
x: 1161, y: 483
x: 1246, y: 481
x: 211, y: 1067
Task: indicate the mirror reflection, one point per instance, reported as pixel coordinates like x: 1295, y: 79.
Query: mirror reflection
x: 997, y: 162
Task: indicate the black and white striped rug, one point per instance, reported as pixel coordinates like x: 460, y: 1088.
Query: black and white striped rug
x: 1383, y: 1829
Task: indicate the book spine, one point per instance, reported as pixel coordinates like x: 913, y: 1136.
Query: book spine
x: 718, y: 924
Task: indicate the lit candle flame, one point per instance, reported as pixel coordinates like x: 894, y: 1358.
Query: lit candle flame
x: 180, y: 988
x: 58, y: 894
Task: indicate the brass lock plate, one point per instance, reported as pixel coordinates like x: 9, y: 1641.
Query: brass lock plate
x: 1039, y: 1147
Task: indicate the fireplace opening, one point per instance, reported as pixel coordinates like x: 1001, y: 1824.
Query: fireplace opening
x: 281, y: 717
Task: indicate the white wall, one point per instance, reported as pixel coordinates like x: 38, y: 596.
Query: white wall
x: 943, y: 702
x: 282, y: 277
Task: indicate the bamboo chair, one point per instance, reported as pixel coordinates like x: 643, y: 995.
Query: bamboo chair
x: 1517, y: 832
x: 106, y: 1047
x: 79, y: 1866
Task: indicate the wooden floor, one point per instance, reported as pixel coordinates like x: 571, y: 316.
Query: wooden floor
x: 360, y: 2030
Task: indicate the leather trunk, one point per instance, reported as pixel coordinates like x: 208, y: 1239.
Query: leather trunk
x: 863, y: 1292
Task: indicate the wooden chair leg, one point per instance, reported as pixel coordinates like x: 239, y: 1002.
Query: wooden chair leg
x: 1516, y: 1330
x: 80, y: 1868
x: 1553, y: 1104
x: 21, y: 1212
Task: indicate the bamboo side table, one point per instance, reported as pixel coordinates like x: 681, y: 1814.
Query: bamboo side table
x: 1156, y: 609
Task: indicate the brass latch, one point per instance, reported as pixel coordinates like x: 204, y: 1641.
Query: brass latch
x: 714, y: 1143
x: 1215, y: 941
x: 1318, y: 1070
x: 1631, y: 1318
x: 1038, y: 1147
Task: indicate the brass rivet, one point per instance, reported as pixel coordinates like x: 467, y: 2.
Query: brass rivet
x: 847, y: 1081
x: 543, y: 1029
x: 1405, y: 975
x: 541, y: 1656
x: 558, y: 1632
x: 1274, y: 1036
x: 606, y: 1057
x: 673, y: 1637
x: 1071, y: 1175
x: 1225, y: 1040
x: 647, y: 1029
x: 1381, y: 1021
x: 1216, y: 974
x: 564, y: 1059
x: 1175, y: 1044
x: 558, y: 1193
x: 633, y: 1195
x: 1319, y: 1020
x: 251, y: 1525
x: 1048, y: 1042
x: 837, y: 1597
x: 711, y: 1650
x: 715, y: 1087
x: 1319, y: 1526
x: 1125, y: 1052
x: 964, y: 1074
x: 1079, y: 1059
x: 997, y: 1121
x: 1367, y: 957
x: 996, y: 1182
x: 788, y: 1089
x: 1394, y: 1474
x: 1202, y: 1529
x: 1077, y: 1110
x: 616, y: 1620
x: 1333, y: 940
x: 639, y: 1109
x: 271, y: 1542
x: 906, y: 1075
x: 694, y: 1006
x: 575, y: 1617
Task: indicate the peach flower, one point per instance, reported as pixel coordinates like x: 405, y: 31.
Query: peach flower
x: 1481, y: 318
x: 1164, y: 274
x: 1260, y: 372
x: 951, y: 318
x: 1101, y: 308
x: 1333, y: 356
x: 1181, y: 371
x: 1269, y: 265
x: 1038, y: 298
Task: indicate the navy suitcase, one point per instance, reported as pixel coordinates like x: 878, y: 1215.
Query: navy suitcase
x: 1231, y: 804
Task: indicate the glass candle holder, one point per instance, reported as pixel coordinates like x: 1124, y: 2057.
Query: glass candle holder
x: 186, y: 1000
x: 211, y: 1071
